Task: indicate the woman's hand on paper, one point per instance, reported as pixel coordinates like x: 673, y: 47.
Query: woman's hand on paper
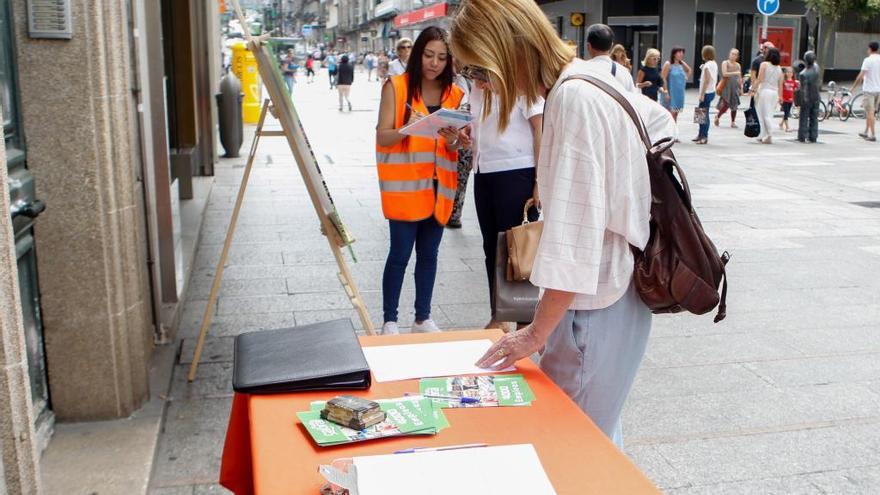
x: 464, y: 137
x: 450, y: 134
x: 511, y: 348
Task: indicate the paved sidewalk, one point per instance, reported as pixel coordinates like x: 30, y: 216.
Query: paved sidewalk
x: 782, y: 397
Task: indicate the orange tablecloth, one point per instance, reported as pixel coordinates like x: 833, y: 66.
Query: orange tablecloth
x: 268, y: 451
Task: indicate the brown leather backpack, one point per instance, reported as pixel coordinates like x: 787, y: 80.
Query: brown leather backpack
x: 679, y: 269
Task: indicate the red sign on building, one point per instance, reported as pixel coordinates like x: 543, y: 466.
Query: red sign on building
x: 417, y: 16
x: 783, y: 39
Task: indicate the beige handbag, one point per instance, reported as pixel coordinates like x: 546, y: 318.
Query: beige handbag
x: 522, y: 246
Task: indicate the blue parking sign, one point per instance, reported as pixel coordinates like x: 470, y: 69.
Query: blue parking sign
x: 768, y: 7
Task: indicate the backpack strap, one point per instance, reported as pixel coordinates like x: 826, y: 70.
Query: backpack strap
x: 627, y: 106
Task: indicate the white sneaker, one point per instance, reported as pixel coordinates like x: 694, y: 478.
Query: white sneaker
x: 390, y: 328
x: 427, y: 326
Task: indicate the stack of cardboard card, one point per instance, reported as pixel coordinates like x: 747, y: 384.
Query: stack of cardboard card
x: 403, y: 416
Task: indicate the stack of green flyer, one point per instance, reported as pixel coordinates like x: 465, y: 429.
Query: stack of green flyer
x: 404, y: 416
x: 490, y: 390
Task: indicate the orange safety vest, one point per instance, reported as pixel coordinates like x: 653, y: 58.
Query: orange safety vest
x: 408, y: 169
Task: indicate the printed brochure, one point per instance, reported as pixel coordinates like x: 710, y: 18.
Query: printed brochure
x: 404, y: 416
x: 491, y: 390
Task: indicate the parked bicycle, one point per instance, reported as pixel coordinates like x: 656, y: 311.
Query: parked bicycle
x: 839, y: 102
x: 857, y: 108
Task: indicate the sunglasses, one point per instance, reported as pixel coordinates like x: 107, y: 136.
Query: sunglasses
x: 475, y: 73
x: 404, y: 47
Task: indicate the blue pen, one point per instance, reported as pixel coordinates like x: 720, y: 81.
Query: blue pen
x: 440, y: 449
x: 463, y: 400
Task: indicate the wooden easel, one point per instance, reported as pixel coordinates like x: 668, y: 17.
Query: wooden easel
x: 327, y: 228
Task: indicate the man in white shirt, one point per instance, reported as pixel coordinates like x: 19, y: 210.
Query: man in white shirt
x: 870, y: 74
x: 600, y: 39
x: 398, y: 65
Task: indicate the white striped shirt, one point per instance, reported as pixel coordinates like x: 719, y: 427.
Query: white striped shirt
x: 594, y: 186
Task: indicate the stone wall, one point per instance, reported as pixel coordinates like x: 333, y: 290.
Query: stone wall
x: 78, y: 117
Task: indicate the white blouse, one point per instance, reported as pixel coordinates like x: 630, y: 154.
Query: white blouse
x: 594, y: 186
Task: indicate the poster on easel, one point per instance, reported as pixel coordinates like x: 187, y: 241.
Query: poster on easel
x: 284, y: 110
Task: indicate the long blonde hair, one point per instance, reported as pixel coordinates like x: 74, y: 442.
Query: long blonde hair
x: 514, y: 41
x: 618, y: 54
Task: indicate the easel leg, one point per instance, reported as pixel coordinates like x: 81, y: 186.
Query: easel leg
x: 350, y: 287
x: 230, y: 232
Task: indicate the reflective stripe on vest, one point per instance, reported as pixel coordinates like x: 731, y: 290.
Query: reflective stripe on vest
x: 406, y: 185
x: 405, y: 158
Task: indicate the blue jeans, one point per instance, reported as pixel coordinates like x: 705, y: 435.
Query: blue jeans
x: 704, y: 128
x: 594, y: 356
x: 289, y: 81
x: 425, y: 235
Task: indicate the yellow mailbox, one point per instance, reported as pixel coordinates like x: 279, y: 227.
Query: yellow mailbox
x: 244, y: 65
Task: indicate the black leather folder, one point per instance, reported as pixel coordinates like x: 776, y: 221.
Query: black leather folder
x: 322, y: 356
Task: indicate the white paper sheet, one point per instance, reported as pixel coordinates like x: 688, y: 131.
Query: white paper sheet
x: 429, y: 126
x: 501, y: 470
x: 403, y: 362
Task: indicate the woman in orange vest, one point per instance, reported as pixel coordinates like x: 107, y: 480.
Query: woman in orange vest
x: 417, y: 175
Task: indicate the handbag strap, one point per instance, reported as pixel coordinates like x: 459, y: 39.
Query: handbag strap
x: 529, y: 203
x: 627, y: 106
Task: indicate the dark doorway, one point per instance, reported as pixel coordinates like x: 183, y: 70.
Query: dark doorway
x: 745, y: 24
x: 705, y: 35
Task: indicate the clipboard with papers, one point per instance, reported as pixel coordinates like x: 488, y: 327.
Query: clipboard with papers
x: 430, y: 125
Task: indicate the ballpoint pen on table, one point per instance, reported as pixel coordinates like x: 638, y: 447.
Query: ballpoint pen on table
x: 463, y: 400
x: 440, y: 449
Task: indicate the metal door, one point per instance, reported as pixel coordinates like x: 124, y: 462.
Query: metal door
x: 25, y: 208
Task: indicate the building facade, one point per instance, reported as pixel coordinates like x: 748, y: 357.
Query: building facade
x: 109, y: 126
x: 725, y: 24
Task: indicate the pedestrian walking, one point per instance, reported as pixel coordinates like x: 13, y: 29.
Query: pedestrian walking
x: 289, y: 66
x: 618, y: 54
x: 345, y: 77
x: 398, y: 66
x: 465, y: 155
x: 729, y: 97
x: 382, y: 67
x: 310, y: 69
x: 593, y: 181
x: 649, y: 79
x: 417, y: 175
x: 870, y: 75
x: 600, y: 41
x: 808, y: 79
x: 370, y: 64
x: 505, y: 175
x: 332, y: 69
x: 789, y: 86
x: 768, y: 92
x: 675, y: 74
x: 708, y: 80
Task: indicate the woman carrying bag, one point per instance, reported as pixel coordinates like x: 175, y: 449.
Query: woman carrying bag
x: 417, y: 175
x: 504, y: 166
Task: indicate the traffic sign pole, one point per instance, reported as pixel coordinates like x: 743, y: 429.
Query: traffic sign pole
x: 766, y: 22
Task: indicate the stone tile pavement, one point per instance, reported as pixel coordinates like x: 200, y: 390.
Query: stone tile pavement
x: 782, y: 397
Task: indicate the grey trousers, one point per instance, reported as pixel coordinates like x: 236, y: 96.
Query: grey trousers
x: 594, y: 356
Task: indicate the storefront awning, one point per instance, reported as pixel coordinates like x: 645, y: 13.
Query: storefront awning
x: 420, y: 15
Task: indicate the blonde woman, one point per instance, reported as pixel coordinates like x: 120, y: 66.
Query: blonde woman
x: 731, y: 71
x: 649, y: 80
x: 618, y: 54
x: 593, y: 183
